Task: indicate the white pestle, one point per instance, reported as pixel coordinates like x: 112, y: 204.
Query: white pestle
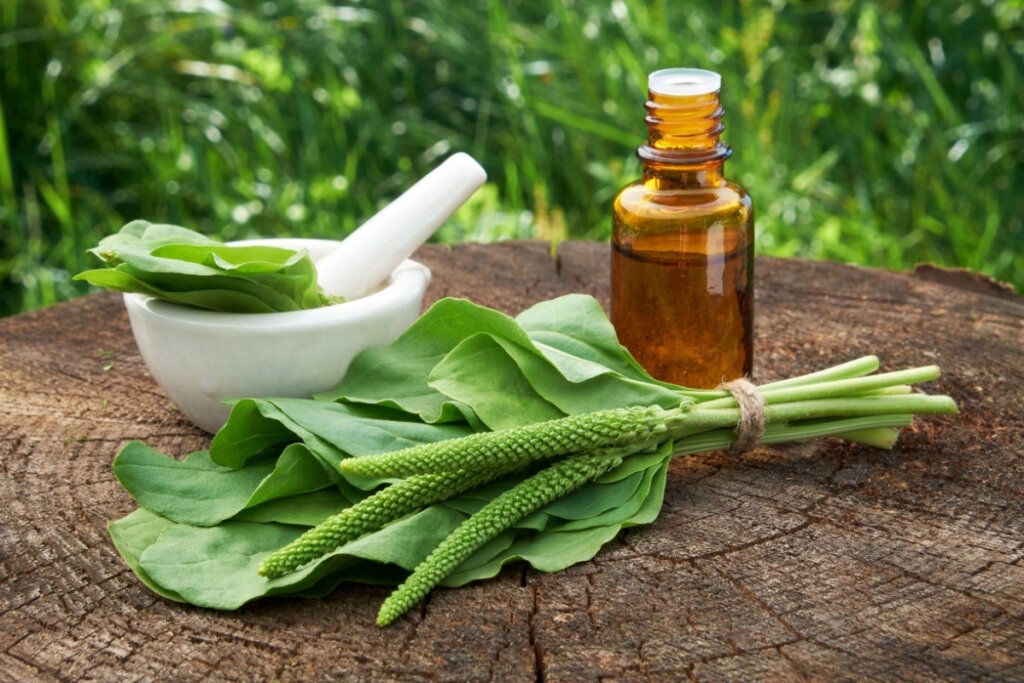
x: 368, y: 256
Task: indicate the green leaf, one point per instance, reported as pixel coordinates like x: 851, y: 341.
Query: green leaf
x: 335, y: 431
x: 175, y: 279
x: 195, y: 490
x: 269, y: 425
x: 638, y: 463
x: 208, y: 297
x: 507, y: 380
x: 586, y: 502
x: 593, y: 499
x: 307, y: 509
x: 652, y: 504
x: 117, y: 280
x: 396, y: 375
x: 132, y: 535
x: 200, y: 492
x: 651, y: 484
x: 216, y: 566
x: 553, y: 552
x: 483, y: 556
x: 142, y: 237
x: 247, y: 259
x: 602, y: 391
x: 573, y: 333
x: 184, y: 267
x: 358, y: 430
x: 546, y: 552
x: 480, y: 373
x: 296, y: 471
x: 246, y: 434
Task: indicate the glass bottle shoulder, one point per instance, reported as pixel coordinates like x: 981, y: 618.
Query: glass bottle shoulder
x: 652, y: 200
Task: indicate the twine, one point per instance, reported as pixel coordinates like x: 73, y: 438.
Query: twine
x: 750, y: 427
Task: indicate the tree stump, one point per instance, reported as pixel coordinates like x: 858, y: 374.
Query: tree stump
x: 826, y: 561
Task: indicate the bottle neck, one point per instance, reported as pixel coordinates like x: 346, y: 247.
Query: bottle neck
x: 683, y: 142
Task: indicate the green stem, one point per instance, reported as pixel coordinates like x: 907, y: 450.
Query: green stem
x: 781, y: 433
x: 854, y: 368
x: 835, y: 388
x: 917, y: 404
x: 890, y: 391
x: 703, y: 419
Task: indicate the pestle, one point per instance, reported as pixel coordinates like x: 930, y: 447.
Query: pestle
x: 368, y: 256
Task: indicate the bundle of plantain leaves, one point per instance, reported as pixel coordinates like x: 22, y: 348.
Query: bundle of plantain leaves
x: 274, y: 471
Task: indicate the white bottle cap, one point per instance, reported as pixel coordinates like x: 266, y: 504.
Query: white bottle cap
x: 684, y: 82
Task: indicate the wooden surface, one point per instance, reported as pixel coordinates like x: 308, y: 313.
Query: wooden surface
x: 825, y: 562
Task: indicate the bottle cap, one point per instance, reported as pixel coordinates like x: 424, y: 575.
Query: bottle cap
x: 684, y: 82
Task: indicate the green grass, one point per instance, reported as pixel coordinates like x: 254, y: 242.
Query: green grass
x: 882, y: 133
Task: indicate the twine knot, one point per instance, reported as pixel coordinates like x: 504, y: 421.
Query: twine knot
x: 750, y: 427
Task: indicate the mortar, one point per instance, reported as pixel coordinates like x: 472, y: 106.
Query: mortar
x: 201, y: 358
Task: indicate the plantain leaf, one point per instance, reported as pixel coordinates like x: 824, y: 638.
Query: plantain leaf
x: 216, y: 566
x: 307, y: 509
x: 184, y: 267
x: 546, y: 552
x: 506, y: 398
x: 248, y: 433
x: 198, y: 491
x: 574, y: 334
x: 396, y: 375
x: 134, y: 533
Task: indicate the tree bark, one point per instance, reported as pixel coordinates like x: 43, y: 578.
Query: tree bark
x: 825, y: 561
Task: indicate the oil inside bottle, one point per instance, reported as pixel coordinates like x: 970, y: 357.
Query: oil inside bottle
x: 686, y: 317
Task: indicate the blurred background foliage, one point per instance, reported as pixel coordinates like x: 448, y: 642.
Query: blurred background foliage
x: 876, y: 132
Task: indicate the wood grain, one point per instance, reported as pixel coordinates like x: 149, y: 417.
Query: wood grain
x: 823, y: 561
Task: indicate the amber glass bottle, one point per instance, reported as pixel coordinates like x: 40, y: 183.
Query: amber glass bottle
x: 683, y: 242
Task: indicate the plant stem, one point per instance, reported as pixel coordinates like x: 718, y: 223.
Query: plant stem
x: 854, y: 368
x: 858, y: 367
x: 702, y: 419
x: 835, y: 388
x: 781, y: 433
